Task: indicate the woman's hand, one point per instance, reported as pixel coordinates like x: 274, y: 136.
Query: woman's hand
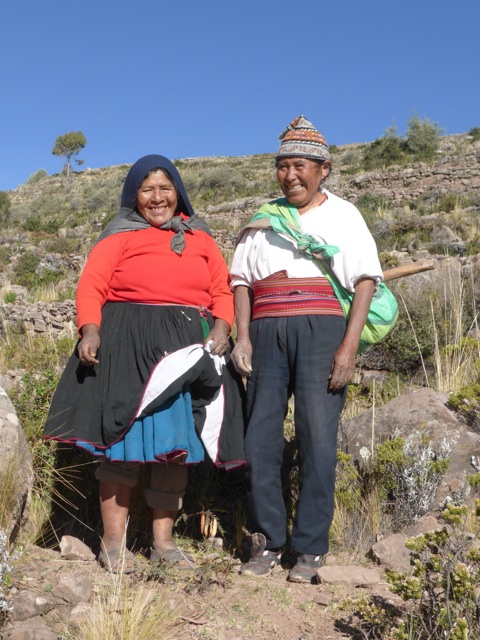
x: 89, y: 344
x: 217, y: 339
x: 242, y: 357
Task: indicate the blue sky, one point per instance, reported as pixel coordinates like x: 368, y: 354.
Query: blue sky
x: 223, y: 78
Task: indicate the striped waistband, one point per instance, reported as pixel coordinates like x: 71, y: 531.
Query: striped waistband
x: 279, y: 295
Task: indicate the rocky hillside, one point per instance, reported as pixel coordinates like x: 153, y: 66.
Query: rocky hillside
x: 414, y: 210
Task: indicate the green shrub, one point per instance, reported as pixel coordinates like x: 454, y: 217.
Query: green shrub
x: 475, y: 134
x: 451, y: 201
x: 441, y: 591
x: 64, y: 246
x: 9, y: 297
x: 423, y: 137
x: 37, y: 177
x: 467, y: 400
x: 385, y: 152
x: 387, y: 260
x: 5, y: 206
x: 35, y: 223
x: 25, y: 269
x: 26, y: 272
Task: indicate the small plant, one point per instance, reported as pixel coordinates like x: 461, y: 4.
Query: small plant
x: 423, y: 137
x: 394, y: 485
x: 5, y: 206
x: 441, y: 592
x: 474, y: 134
x: 37, y: 177
x: 6, y: 567
x: 9, y: 297
x: 131, y: 612
x: 408, y: 471
x: 467, y: 402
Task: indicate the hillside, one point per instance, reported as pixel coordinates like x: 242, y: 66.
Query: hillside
x: 227, y: 190
x: 416, y: 210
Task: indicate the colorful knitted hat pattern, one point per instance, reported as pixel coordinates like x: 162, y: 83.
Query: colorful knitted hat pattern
x: 301, y: 139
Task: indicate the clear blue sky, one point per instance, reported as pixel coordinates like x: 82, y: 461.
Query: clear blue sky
x: 188, y: 78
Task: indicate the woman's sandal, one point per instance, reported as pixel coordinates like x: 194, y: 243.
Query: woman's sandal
x: 173, y: 558
x: 117, y: 560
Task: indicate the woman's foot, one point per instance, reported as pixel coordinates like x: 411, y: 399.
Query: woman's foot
x: 116, y: 558
x: 172, y: 556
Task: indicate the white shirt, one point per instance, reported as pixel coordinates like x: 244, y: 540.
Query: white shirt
x: 262, y: 252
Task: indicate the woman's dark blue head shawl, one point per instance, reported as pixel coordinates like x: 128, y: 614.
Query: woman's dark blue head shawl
x: 137, y: 174
x: 128, y: 218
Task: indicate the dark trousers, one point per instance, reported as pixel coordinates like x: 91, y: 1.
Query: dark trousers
x: 293, y: 355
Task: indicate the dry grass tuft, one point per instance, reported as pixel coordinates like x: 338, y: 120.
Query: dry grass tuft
x: 127, y: 611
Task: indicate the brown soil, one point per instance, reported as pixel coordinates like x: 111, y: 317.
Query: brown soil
x: 216, y: 603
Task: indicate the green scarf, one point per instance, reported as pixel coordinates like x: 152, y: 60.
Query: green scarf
x: 284, y: 219
x: 280, y: 216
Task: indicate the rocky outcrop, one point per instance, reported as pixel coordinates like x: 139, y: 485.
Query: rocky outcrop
x: 425, y: 412
x: 16, y: 471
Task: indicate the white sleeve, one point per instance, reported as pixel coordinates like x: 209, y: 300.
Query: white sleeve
x: 358, y: 257
x: 244, y: 258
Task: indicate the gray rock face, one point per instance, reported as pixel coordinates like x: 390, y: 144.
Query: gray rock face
x: 28, y: 604
x: 424, y: 411
x: 391, y: 553
x: 16, y: 471
x: 72, y: 548
x: 353, y: 575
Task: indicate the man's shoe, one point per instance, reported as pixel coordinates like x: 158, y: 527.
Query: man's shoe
x: 262, y: 561
x: 305, y: 569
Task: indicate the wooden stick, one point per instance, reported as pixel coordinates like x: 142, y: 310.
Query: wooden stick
x: 408, y: 269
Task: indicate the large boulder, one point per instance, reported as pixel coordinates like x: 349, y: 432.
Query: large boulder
x: 427, y: 412
x: 16, y: 470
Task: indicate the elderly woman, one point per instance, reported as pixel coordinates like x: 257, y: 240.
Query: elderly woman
x: 293, y: 339
x: 147, y: 383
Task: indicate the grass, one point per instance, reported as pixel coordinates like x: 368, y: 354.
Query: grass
x: 127, y: 611
x: 13, y: 476
x: 456, y: 358
x: 282, y: 598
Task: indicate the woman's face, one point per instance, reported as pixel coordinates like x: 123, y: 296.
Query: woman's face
x: 157, y: 199
x: 300, y: 180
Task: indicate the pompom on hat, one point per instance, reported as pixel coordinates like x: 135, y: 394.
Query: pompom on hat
x: 301, y: 139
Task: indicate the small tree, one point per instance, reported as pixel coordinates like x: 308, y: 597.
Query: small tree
x: 423, y: 137
x: 69, y: 145
x: 5, y: 204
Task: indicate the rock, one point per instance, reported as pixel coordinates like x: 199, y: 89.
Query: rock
x: 73, y: 588
x: 16, y: 470
x: 427, y: 523
x: 217, y: 543
x: 444, y: 235
x: 72, y: 548
x: 425, y: 411
x: 33, y: 629
x: 28, y: 604
x: 322, y: 599
x: 354, y: 575
x: 391, y: 553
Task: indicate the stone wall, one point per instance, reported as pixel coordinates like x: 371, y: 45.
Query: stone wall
x: 55, y: 318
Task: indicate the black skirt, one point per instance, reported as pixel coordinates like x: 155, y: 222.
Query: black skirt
x: 98, y: 404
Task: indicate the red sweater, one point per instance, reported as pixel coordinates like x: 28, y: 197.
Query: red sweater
x: 139, y: 266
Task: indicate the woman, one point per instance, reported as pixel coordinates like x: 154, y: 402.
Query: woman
x: 292, y: 337
x: 140, y: 385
